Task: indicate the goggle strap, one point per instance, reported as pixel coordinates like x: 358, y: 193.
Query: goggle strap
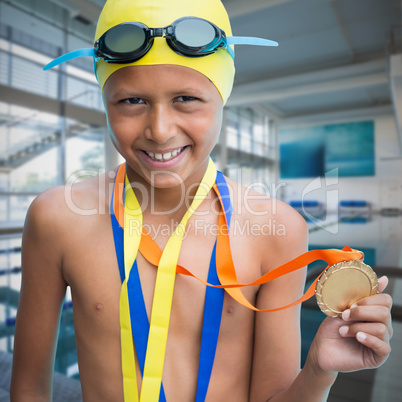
x: 231, y: 40
x: 248, y: 40
x: 75, y: 54
x: 230, y: 50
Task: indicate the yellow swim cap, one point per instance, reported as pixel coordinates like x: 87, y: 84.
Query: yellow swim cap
x: 218, y: 67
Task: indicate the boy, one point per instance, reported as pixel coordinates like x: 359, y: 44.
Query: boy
x: 164, y: 111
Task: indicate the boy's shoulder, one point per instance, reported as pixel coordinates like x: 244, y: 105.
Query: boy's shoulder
x: 249, y: 204
x: 62, y: 207
x: 273, y: 230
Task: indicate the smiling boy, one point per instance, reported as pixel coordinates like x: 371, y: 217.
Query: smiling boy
x: 164, y: 113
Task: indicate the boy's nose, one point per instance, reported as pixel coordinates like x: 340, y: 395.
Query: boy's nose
x: 161, y: 125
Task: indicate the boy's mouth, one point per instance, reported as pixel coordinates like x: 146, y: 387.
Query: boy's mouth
x: 163, y: 157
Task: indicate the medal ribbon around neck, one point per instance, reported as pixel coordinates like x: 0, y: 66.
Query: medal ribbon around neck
x: 225, y: 270
x: 163, y: 293
x: 212, y: 308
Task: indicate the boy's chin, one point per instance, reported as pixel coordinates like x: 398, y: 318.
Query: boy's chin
x: 166, y: 180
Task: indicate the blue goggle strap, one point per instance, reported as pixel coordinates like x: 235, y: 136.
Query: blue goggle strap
x: 231, y: 40
x: 247, y: 40
x: 75, y: 54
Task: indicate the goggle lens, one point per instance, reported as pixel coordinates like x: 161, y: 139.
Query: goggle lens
x: 125, y: 38
x: 128, y: 42
x: 194, y: 32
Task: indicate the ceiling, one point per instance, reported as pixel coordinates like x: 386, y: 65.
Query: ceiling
x: 333, y: 56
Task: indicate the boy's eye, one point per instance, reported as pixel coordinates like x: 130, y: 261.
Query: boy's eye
x: 186, y: 98
x: 133, y: 101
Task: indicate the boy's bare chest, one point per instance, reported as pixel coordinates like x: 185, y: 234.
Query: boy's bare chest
x: 92, y: 269
x: 93, y: 274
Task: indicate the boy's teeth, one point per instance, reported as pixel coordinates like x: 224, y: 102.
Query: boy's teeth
x: 166, y: 156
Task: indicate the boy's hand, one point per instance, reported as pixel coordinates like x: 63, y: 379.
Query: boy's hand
x: 357, y: 341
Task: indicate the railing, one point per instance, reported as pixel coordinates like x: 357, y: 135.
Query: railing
x: 22, y: 73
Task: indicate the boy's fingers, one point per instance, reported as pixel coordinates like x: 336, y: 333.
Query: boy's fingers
x: 383, y: 282
x: 373, y: 328
x: 378, y: 346
x: 378, y: 314
x: 371, y: 313
x: 383, y: 299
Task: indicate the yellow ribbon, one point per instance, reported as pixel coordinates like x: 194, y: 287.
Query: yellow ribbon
x: 163, y: 295
x: 132, y: 223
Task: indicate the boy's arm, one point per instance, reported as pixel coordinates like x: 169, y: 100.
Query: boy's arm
x: 358, y: 341
x: 276, y: 358
x: 42, y: 291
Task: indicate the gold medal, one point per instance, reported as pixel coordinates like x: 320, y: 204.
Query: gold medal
x: 343, y: 284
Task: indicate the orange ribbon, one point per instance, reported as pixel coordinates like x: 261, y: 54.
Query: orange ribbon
x: 225, y: 267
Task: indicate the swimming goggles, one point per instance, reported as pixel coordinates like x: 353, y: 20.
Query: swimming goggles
x: 187, y: 36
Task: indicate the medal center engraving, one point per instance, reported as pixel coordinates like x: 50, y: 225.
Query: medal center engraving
x: 343, y: 284
x: 344, y: 288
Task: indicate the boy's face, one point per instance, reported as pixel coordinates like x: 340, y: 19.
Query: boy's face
x: 164, y: 120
